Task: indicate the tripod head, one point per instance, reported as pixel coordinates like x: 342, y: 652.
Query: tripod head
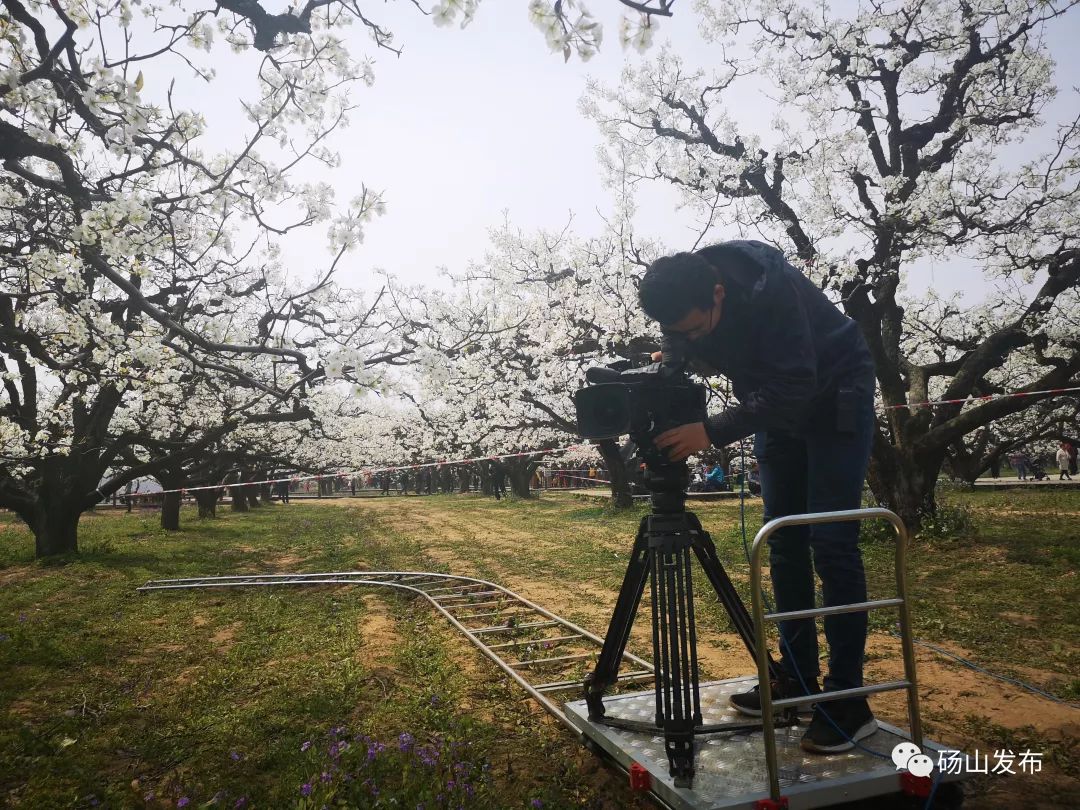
x: 666, y: 480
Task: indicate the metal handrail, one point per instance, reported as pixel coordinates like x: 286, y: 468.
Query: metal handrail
x: 910, y: 682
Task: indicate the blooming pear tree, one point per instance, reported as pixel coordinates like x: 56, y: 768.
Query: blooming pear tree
x: 140, y: 269
x: 887, y: 150
x: 938, y: 326
x: 552, y: 305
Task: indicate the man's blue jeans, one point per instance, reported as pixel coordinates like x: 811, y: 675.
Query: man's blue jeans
x: 821, y: 470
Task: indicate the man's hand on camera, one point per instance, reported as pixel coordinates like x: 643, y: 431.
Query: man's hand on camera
x: 683, y: 441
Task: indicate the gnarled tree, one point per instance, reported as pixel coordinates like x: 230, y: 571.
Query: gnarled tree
x: 888, y: 150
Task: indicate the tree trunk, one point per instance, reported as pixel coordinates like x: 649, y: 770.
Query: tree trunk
x: 521, y: 471
x: 170, y: 501
x: 621, y: 496
x: 904, y: 483
x: 464, y: 474
x: 266, y: 495
x: 239, y: 499
x: 170, y: 511
x: 724, y: 460
x: 252, y: 495
x: 56, y: 531
x: 207, y: 500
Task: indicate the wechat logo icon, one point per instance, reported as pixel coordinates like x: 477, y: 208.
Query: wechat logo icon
x: 907, y: 756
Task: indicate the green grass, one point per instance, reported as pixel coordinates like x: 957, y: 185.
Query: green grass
x: 132, y: 700
x: 111, y: 696
x: 1007, y: 592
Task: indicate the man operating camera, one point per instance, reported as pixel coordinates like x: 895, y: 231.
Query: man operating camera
x: 804, y: 379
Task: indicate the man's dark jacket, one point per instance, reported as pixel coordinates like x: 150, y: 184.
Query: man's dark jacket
x: 787, y: 349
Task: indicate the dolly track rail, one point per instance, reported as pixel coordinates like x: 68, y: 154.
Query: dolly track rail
x: 492, y: 610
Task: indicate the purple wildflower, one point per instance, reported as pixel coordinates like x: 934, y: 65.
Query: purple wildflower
x: 435, y: 700
x: 333, y: 751
x: 428, y: 755
x: 326, y: 776
x: 305, y: 746
x: 374, y: 748
x: 22, y: 618
x: 235, y: 756
x: 149, y: 797
x: 536, y: 803
x: 4, y: 636
x: 405, y: 741
x: 183, y: 801
x: 241, y: 803
x: 305, y: 789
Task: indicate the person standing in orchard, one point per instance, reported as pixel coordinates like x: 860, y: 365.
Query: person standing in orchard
x: 804, y: 380
x: 1063, y: 459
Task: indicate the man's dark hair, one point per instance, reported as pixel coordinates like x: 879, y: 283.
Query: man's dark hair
x: 674, y: 285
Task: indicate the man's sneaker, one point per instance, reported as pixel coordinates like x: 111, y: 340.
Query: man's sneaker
x: 749, y: 703
x: 838, y: 725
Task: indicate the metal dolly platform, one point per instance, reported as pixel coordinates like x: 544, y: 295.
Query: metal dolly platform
x: 732, y: 773
x: 768, y: 769
x: 549, y: 655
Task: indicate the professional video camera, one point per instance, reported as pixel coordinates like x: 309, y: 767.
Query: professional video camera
x: 640, y: 402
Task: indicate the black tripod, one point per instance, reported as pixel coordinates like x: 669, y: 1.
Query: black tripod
x: 661, y: 556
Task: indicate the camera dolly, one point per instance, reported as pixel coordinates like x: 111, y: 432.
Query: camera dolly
x: 661, y: 558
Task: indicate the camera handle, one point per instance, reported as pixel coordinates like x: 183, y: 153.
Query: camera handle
x: 661, y: 557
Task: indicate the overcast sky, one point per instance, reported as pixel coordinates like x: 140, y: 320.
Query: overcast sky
x: 467, y: 124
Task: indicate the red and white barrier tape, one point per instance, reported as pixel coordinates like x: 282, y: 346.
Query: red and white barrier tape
x: 1016, y: 394
x: 549, y: 471
x: 354, y: 473
x: 549, y: 450
x: 585, y: 478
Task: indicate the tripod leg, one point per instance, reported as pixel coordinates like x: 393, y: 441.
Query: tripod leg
x: 678, y: 704
x: 618, y: 634
x: 729, y: 597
